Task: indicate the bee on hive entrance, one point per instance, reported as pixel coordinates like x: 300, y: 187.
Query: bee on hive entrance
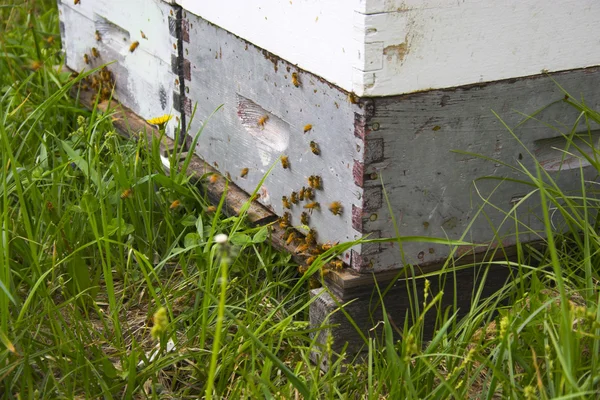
x: 295, y: 80
x: 95, y: 52
x: 291, y: 238
x: 307, y: 127
x: 285, y: 221
x: 285, y: 163
x: 313, y: 206
x: 134, y: 46
x: 315, y: 182
x: 143, y: 35
x: 314, y: 147
x: 76, y: 2
x: 127, y: 193
x: 286, y: 202
x: 86, y: 59
x: 98, y: 36
x: 304, y: 218
x: 301, y: 193
x: 311, y: 237
x: 352, y: 98
x: 262, y: 121
x: 294, y: 198
x: 336, y: 208
x: 309, y: 194
x: 244, y: 172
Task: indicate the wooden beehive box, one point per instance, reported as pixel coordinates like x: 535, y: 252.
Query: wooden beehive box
x: 387, y: 88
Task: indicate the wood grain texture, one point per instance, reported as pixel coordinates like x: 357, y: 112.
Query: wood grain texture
x: 366, y: 310
x: 436, y: 192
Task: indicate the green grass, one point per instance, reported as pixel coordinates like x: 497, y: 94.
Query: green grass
x: 84, y: 269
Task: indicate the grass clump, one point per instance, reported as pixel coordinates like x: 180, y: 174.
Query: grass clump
x: 113, y: 281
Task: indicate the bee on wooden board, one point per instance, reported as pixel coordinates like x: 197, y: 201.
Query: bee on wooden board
x: 95, y: 52
x: 244, y: 172
x: 174, y: 204
x: 98, y: 36
x: 307, y: 128
x: 134, y: 46
x: 285, y: 163
x: 315, y: 182
x: 337, y: 264
x: 336, y: 208
x: 285, y: 221
x: 302, y: 248
x: 311, y: 237
x: 294, y: 198
x: 286, y: 202
x: 86, y: 59
x: 309, y: 194
x: 262, y: 121
x: 127, y: 193
x: 291, y: 237
x: 313, y: 206
x: 295, y: 80
x: 314, y: 147
x: 304, y: 218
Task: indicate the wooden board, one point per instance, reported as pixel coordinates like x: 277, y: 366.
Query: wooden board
x: 430, y: 188
x: 147, y: 78
x: 251, y: 84
x: 391, y: 47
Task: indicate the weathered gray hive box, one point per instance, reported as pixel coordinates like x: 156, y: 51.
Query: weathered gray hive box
x: 386, y: 89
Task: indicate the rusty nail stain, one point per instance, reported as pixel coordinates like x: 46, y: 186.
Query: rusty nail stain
x: 421, y: 255
x: 373, y: 217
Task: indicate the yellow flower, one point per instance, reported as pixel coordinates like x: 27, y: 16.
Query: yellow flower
x: 160, y: 121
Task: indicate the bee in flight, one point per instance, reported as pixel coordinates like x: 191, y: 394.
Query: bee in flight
x: 174, y: 204
x: 336, y: 208
x: 127, y: 193
x: 134, y: 46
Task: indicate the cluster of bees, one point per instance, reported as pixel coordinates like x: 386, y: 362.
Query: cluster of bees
x: 103, y: 83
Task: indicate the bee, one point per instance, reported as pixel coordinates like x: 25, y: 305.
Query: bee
x: 127, y: 193
x: 304, y: 218
x: 285, y: 220
x: 302, y: 268
x: 311, y: 260
x: 174, y: 204
x: 86, y: 59
x: 211, y: 209
x: 337, y: 264
x: 50, y: 39
x: 262, y: 121
x: 95, y: 52
x: 36, y: 65
x: 352, y: 98
x: 228, y: 176
x: 291, y: 238
x: 285, y: 163
x: 336, y: 208
x: 49, y: 206
x: 327, y: 246
x: 309, y: 194
x: 313, y: 206
x: 134, y: 46
x: 307, y: 127
x: 302, y: 248
x: 213, y: 178
x: 76, y: 2
x: 295, y: 80
x: 315, y: 182
x: 301, y: 193
x: 286, y: 202
x: 314, y: 147
x: 244, y: 172
x: 143, y: 35
x: 294, y: 198
x: 98, y: 36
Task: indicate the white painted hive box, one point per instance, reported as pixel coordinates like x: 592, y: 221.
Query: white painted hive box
x: 427, y: 76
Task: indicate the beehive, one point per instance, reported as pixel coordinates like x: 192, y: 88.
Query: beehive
x: 385, y: 89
